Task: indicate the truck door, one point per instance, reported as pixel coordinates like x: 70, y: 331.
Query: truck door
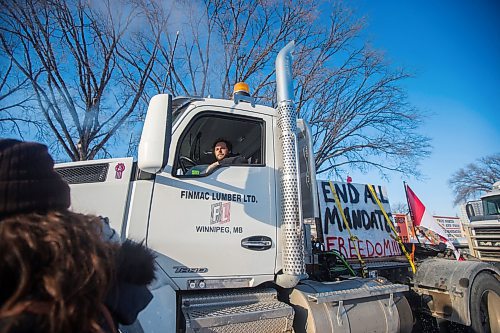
x: 218, y: 226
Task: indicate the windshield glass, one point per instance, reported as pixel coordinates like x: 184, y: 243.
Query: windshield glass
x: 491, y: 205
x: 180, y: 104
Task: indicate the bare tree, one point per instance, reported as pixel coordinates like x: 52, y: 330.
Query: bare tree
x: 87, y: 63
x: 225, y: 42
x: 476, y: 178
x: 355, y: 104
x: 399, y: 207
x: 350, y: 96
x: 90, y: 66
x: 13, y: 101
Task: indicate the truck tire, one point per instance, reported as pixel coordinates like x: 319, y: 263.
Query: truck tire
x: 485, y: 304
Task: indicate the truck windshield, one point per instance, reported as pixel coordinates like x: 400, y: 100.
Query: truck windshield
x: 491, y: 205
x: 180, y: 104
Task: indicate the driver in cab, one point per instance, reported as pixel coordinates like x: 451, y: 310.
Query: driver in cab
x: 223, y: 155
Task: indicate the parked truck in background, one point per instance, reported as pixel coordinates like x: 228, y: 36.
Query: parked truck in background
x: 483, y: 231
x: 243, y: 248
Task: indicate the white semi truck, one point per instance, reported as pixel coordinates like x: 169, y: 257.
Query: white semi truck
x: 483, y: 231
x: 242, y: 248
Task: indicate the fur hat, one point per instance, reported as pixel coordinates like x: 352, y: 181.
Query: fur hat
x: 28, y: 182
x: 135, y: 268
x: 135, y: 263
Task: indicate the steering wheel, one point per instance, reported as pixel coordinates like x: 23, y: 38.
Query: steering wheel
x: 186, y: 163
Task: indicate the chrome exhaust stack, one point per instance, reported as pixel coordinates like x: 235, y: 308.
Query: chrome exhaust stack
x: 291, y: 221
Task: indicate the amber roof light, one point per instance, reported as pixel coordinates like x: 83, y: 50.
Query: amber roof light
x: 241, y: 88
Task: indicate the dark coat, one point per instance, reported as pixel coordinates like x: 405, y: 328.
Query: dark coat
x: 233, y: 160
x: 130, y: 295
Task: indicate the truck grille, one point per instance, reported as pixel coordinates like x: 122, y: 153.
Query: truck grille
x: 94, y: 173
x: 485, y: 239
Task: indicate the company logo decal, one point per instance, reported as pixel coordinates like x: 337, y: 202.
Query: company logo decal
x: 221, y: 213
x: 220, y: 217
x: 120, y: 167
x: 219, y: 220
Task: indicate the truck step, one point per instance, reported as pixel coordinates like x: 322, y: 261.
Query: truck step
x: 237, y: 311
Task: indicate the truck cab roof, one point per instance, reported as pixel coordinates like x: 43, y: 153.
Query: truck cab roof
x: 183, y: 103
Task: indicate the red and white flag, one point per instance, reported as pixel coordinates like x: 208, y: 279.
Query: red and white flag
x: 424, y: 219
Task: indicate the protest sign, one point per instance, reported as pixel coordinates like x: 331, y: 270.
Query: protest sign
x: 364, y: 217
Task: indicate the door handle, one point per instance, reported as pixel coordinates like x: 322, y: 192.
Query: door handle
x: 257, y: 243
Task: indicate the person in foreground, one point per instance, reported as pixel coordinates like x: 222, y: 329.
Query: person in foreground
x: 57, y: 271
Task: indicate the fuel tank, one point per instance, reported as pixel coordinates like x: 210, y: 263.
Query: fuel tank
x: 357, y: 305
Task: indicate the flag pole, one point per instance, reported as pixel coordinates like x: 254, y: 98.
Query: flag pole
x: 411, y: 213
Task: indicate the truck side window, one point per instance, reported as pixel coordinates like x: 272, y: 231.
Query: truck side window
x: 195, y: 151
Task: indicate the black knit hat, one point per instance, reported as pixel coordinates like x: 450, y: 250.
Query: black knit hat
x: 28, y: 182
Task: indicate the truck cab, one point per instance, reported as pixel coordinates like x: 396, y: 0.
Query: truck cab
x: 483, y: 231
x: 490, y: 204
x: 218, y: 227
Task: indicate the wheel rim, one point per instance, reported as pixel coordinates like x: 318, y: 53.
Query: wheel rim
x: 492, y: 301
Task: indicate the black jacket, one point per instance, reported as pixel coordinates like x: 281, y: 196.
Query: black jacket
x: 129, y: 295
x: 233, y: 160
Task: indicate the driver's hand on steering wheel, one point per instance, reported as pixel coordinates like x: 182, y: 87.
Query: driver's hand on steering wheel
x: 212, y: 166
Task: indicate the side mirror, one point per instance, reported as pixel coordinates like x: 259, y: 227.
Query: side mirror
x: 469, y: 210
x: 156, y: 134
